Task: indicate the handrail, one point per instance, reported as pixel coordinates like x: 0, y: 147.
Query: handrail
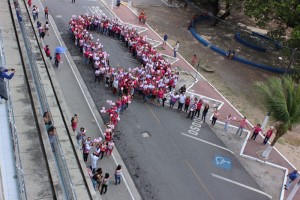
x: 57, y: 150
x: 19, y: 169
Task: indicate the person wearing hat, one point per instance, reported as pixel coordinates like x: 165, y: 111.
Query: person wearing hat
x: 4, y: 75
x: 268, y: 134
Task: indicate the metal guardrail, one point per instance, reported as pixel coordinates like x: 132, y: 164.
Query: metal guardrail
x: 62, y: 168
x: 14, y: 135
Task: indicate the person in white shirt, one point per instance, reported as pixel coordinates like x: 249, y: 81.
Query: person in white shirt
x: 181, y: 101
x: 94, y: 159
x: 97, y: 75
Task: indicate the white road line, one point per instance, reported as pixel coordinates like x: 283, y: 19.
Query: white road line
x: 51, y: 21
x: 242, y: 185
x: 209, y: 143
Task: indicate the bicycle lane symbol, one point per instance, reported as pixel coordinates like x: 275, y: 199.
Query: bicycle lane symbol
x: 222, y: 162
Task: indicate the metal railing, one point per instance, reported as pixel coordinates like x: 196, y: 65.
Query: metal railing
x: 62, y: 168
x: 14, y: 135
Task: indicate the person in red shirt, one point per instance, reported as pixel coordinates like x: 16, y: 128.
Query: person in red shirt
x: 57, y: 60
x: 199, y: 105
x: 187, y: 104
x: 256, y: 131
x: 268, y: 134
x: 48, y: 52
x: 160, y: 96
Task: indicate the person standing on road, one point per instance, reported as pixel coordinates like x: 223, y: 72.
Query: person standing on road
x: 204, y: 112
x: 94, y: 159
x: 97, y: 75
x: 46, y: 11
x: 29, y: 3
x: 199, y: 105
x: 215, y: 117
x: 118, y: 173
x: 194, y: 60
x: 105, y: 183
x: 268, y: 134
x: 192, y: 111
x: 181, y: 101
x: 86, y: 150
x: 74, y: 122
x: 228, y: 118
x: 34, y: 13
x: 291, y: 177
x: 256, y: 131
x: 110, y: 147
x: 175, y: 49
x: 243, y: 123
x: 187, y: 103
x: 165, y: 40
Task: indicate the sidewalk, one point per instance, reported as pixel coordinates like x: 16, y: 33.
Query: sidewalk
x: 75, y: 93
x: 204, y: 88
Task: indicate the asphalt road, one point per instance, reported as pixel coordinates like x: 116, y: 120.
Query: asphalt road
x: 171, y: 163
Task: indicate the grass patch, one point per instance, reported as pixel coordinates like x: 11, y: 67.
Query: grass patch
x: 281, y: 141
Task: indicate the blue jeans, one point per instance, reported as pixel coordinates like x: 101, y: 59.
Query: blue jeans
x: 226, y: 126
x: 175, y: 54
x: 85, y: 60
x: 94, y: 184
x: 241, y: 129
x: 118, y: 179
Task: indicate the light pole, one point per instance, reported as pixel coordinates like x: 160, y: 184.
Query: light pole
x: 112, y: 4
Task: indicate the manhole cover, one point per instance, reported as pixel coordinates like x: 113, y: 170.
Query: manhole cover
x: 145, y: 135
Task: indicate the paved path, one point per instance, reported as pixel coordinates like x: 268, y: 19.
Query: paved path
x: 204, y: 88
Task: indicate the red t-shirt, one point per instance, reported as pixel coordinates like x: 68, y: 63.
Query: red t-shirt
x: 257, y: 129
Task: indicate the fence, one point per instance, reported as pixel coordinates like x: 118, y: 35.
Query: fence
x: 57, y: 150
x: 20, y: 175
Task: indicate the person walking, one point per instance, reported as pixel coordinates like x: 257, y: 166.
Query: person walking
x: 46, y: 28
x: 94, y: 159
x: 165, y: 40
x: 96, y: 178
x: 57, y: 61
x: 243, y: 123
x: 175, y: 49
x: 268, y: 134
x: 105, y: 182
x: 80, y: 136
x: 103, y: 147
x: 74, y: 122
x: 47, y: 52
x: 46, y: 11
x: 256, y: 131
x: 29, y: 3
x: 291, y: 177
x: 204, y: 112
x: 187, y: 103
x: 34, y: 13
x: 215, y: 117
x: 118, y: 173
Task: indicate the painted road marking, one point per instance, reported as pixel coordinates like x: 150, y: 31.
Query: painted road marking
x: 242, y: 185
x: 209, y: 143
x: 222, y: 162
x: 200, y: 180
x: 195, y: 127
x: 153, y: 114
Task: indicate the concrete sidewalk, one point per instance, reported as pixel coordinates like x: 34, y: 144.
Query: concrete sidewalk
x: 79, y: 101
x: 202, y: 87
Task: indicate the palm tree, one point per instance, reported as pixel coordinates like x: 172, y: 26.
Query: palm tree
x: 282, y: 98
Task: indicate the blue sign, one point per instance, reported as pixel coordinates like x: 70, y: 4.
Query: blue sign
x: 222, y: 162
